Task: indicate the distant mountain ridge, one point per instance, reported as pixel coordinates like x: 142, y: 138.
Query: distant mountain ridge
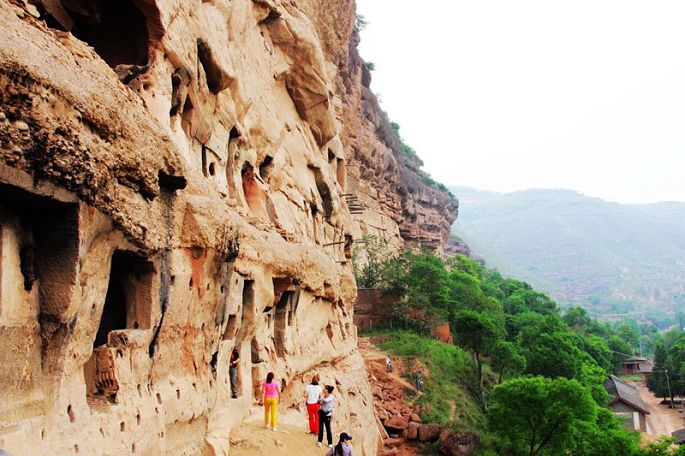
x: 611, y: 258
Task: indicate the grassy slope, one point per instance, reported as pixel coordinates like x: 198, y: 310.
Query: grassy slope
x: 446, y: 399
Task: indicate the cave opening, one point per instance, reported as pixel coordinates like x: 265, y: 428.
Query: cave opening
x: 254, y: 351
x: 205, y: 171
x: 232, y: 156
x: 39, y: 260
x: 324, y: 192
x: 247, y: 317
x: 286, y: 295
x: 239, y: 331
x: 128, y: 303
x: 48, y: 248
x: 117, y: 30
x: 315, y: 222
x: 281, y: 322
x: 266, y: 166
x: 216, y: 80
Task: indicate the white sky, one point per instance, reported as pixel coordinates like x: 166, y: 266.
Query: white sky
x: 514, y: 94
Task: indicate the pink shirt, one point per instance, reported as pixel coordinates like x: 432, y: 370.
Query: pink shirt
x: 270, y: 389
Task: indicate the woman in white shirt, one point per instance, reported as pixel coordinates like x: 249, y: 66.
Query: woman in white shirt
x: 312, y: 395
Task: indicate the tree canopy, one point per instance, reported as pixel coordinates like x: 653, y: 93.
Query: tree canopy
x: 536, y: 415
x: 510, y: 329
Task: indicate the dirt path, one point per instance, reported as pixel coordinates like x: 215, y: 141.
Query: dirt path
x: 661, y: 420
x: 389, y: 391
x: 376, y: 357
x: 252, y: 439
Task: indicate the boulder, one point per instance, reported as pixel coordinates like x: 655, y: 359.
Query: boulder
x: 429, y: 432
x: 415, y: 418
x: 454, y: 444
x: 444, y: 434
x: 396, y: 423
x: 393, y: 442
x: 412, y: 431
x: 383, y: 415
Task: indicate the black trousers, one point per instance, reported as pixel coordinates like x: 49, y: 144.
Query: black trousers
x: 325, y: 420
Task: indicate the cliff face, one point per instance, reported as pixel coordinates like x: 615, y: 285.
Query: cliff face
x: 399, y: 207
x: 177, y: 179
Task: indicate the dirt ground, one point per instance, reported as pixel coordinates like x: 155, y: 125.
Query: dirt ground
x: 661, y: 420
x: 252, y: 439
x: 375, y: 364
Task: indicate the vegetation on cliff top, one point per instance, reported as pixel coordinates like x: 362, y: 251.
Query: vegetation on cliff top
x: 414, y: 162
x: 528, y: 359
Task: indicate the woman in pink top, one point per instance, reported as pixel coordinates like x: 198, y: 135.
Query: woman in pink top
x: 270, y: 397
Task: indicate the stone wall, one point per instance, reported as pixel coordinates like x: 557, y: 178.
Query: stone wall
x: 176, y: 181
x: 372, y: 308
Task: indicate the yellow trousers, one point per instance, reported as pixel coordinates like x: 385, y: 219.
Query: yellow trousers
x: 271, y: 408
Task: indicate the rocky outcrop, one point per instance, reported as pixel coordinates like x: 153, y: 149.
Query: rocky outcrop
x: 398, y: 205
x: 457, y: 246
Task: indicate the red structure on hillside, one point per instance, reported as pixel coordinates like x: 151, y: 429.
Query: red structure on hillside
x: 638, y: 365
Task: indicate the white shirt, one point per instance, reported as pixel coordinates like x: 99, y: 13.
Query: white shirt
x: 313, y: 393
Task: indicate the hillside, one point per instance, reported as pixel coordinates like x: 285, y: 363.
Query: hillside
x: 612, y: 258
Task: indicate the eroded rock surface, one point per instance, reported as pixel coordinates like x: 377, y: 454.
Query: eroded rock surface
x: 179, y: 178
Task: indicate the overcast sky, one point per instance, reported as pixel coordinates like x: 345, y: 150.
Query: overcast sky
x: 508, y: 95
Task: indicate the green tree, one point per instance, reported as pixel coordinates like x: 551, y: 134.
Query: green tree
x: 669, y: 356
x: 506, y: 359
x: 598, y: 349
x: 370, y: 262
x: 479, y: 333
x: 360, y: 23
x: 677, y: 368
x: 537, y: 415
x: 664, y: 446
x: 657, y: 380
x: 592, y: 377
x: 466, y: 293
x: 421, y: 283
x: 604, y: 437
x: 550, y: 349
x: 630, y: 334
x: 620, y: 351
x: 577, y: 318
x: 518, y: 322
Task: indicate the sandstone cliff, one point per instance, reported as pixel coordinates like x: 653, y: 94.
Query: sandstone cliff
x: 179, y: 178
